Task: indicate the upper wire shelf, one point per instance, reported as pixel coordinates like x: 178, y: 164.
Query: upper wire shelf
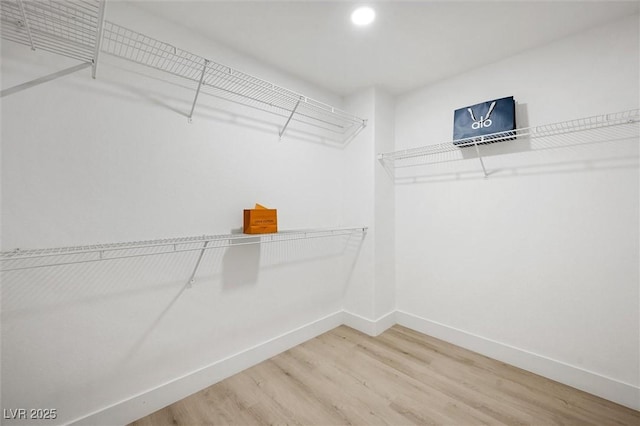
x: 555, y: 129
x: 19, y: 259
x: 69, y: 28
x: 77, y: 29
x: 225, y: 82
x: 622, y: 124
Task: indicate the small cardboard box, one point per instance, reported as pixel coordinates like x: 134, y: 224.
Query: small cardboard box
x: 260, y: 220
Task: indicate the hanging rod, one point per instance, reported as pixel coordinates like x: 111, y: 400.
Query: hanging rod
x: 622, y: 118
x: 19, y: 259
x: 228, y: 83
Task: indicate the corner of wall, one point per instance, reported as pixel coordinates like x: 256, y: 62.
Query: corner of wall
x: 369, y: 196
x: 370, y: 327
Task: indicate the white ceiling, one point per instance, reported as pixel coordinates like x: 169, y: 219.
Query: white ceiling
x: 411, y: 43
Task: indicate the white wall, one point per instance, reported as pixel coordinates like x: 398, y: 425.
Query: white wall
x: 358, y: 206
x: 538, y: 263
x: 368, y: 198
x: 113, y: 159
x: 384, y: 204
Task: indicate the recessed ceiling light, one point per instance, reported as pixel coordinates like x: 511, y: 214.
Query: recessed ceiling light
x: 363, y: 16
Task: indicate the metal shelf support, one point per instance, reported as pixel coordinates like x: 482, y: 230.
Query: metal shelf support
x: 289, y: 119
x: 484, y: 170
x: 195, y: 99
x: 37, y: 81
x: 192, y: 278
x: 96, y: 51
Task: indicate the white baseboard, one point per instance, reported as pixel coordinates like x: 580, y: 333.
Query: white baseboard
x: 147, y: 402
x: 588, y: 381
x: 367, y: 326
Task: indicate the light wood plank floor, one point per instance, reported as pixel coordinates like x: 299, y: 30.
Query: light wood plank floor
x: 399, y: 378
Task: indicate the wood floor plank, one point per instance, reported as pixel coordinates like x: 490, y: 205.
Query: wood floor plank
x: 349, y: 398
x: 445, y: 395
x: 401, y: 377
x: 565, y: 404
x: 366, y: 362
x: 466, y: 378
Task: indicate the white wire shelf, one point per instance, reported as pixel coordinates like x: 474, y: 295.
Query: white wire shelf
x: 19, y: 259
x: 77, y: 29
x: 228, y: 83
x: 618, y: 125
x: 69, y: 28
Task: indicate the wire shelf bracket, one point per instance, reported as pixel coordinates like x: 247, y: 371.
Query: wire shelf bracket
x: 293, y: 111
x: 71, y: 28
x: 46, y: 78
x: 484, y: 170
x: 96, y: 51
x: 192, y: 278
x: 618, y: 120
x: 195, y: 99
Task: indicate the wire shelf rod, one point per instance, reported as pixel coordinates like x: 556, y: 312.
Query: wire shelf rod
x: 299, y: 116
x: 241, y: 86
x: 54, y: 42
x: 281, y: 235
x: 42, y: 37
x: 229, y: 95
x: 65, y: 9
x: 148, y: 57
x: 75, y: 32
x: 57, y: 49
x: 89, y: 6
x: 76, y: 25
x: 263, y: 107
x: 247, y: 87
x: 222, y: 242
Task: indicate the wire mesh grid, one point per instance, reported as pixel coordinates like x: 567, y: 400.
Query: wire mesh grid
x: 38, y: 258
x: 223, y: 81
x: 629, y: 118
x: 68, y: 28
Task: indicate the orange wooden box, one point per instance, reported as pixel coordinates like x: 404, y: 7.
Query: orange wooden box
x: 260, y: 220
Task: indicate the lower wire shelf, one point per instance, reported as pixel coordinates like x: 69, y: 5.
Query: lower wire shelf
x: 19, y: 259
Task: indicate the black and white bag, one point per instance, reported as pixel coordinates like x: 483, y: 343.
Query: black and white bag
x: 486, y: 118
